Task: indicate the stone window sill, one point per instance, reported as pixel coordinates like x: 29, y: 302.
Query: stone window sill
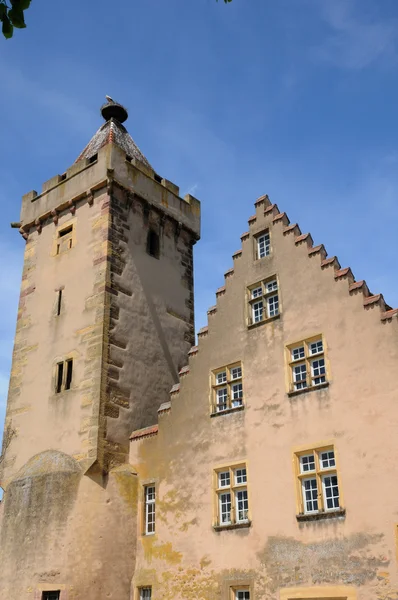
x: 308, y: 389
x: 242, y: 525
x: 254, y: 325
x: 228, y: 411
x: 319, y: 516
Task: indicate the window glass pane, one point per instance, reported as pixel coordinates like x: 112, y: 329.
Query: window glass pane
x: 224, y: 479
x: 242, y: 595
x: 307, y: 463
x: 237, y: 395
x: 257, y: 312
x: 240, y: 476
x: 221, y: 377
x: 318, y: 371
x: 331, y: 492
x: 298, y: 353
x: 222, y: 399
x: 271, y: 286
x: 225, y: 508
x: 263, y: 245
x: 242, y: 505
x: 257, y: 292
x: 300, y: 376
x: 316, y: 347
x: 327, y: 460
x: 145, y: 593
x: 273, y: 306
x: 310, y: 495
x: 236, y: 372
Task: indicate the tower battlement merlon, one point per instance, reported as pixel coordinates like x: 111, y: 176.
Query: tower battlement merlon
x: 91, y: 174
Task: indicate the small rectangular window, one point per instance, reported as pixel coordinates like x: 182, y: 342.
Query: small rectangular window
x: 242, y: 594
x: 263, y: 245
x: 64, y: 239
x: 307, y: 364
x: 227, y: 388
x: 263, y: 300
x: 232, y: 496
x: 150, y: 506
x: 54, y: 595
x: 63, y: 375
x: 69, y: 369
x: 319, y: 492
x: 59, y: 377
x: 145, y: 593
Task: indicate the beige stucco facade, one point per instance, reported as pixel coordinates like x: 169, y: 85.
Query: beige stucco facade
x: 77, y: 462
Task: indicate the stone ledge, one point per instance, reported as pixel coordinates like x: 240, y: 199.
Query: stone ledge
x: 309, y: 389
x: 253, y: 325
x: 244, y: 525
x: 228, y: 411
x: 319, y: 516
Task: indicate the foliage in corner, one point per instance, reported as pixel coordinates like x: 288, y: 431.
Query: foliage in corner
x: 12, y: 16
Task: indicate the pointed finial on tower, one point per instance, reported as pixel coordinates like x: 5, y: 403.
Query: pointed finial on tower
x: 113, y: 110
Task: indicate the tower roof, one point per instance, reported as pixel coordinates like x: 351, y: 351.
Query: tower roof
x: 113, y: 131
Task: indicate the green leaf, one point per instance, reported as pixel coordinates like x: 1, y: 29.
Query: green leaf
x: 17, y: 18
x: 3, y: 11
x: 21, y: 4
x: 7, y: 28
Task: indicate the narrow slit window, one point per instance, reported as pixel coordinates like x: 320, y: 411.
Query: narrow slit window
x: 69, y: 370
x: 153, y: 245
x: 60, y: 377
x: 59, y: 303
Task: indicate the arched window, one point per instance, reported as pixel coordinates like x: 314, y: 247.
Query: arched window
x: 152, y: 244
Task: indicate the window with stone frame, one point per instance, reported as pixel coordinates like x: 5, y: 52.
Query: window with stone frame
x: 149, y: 508
x: 307, y: 364
x: 227, y: 388
x: 63, y: 375
x: 317, y: 481
x: 65, y: 239
x: 263, y: 301
x: 231, y: 496
x: 263, y: 244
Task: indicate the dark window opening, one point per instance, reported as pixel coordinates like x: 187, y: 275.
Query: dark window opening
x: 65, y: 231
x: 59, y: 305
x: 128, y: 158
x: 157, y: 178
x: 58, y: 248
x: 93, y: 158
x: 54, y: 595
x: 60, y: 376
x: 69, y: 369
x: 153, y: 246
x: 63, y: 177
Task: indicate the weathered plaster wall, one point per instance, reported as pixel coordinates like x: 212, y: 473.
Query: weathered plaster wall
x: 62, y: 529
x: 357, y: 413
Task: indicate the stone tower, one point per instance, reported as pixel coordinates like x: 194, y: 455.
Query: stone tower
x: 105, y: 323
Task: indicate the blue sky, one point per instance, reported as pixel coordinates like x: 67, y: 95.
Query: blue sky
x: 294, y: 98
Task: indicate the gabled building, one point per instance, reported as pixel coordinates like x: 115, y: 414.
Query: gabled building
x: 266, y: 473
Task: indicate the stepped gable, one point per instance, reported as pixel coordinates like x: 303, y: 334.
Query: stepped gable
x: 112, y: 131
x: 278, y: 217
x: 326, y: 262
